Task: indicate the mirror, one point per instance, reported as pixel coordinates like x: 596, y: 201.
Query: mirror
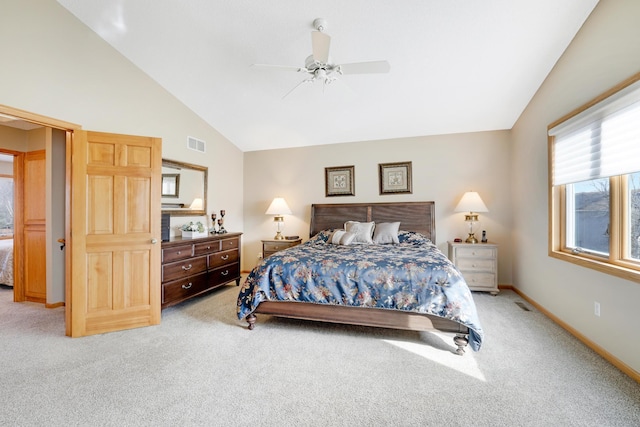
x: 184, y: 188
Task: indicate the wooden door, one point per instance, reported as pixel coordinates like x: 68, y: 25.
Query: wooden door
x: 114, y: 282
x: 34, y: 237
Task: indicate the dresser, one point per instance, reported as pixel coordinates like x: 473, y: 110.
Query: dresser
x: 192, y: 267
x: 478, y: 264
x: 270, y: 247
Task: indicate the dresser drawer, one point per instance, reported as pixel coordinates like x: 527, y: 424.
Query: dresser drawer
x: 206, y: 248
x: 184, y: 288
x: 222, y: 258
x: 476, y: 264
x: 475, y: 252
x: 228, y: 244
x: 181, y: 269
x: 480, y: 280
x: 176, y: 253
x: 224, y: 274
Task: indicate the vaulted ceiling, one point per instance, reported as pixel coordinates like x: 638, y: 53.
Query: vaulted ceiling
x: 455, y: 65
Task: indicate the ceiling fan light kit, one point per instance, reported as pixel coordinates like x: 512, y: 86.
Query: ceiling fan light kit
x: 319, y: 65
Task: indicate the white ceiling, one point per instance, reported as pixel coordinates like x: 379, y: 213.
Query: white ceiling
x: 456, y: 65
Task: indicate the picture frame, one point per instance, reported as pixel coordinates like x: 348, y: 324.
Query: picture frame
x: 395, y: 178
x: 170, y: 185
x: 339, y: 181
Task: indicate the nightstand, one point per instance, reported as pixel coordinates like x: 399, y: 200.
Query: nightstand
x: 478, y: 263
x: 270, y: 247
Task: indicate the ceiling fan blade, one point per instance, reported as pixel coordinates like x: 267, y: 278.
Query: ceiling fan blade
x: 320, y: 43
x: 280, y: 67
x: 297, y: 86
x: 370, y: 67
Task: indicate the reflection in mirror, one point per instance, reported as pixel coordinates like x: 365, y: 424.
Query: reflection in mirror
x: 184, y: 188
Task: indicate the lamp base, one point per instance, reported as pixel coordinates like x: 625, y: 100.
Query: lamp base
x: 279, y: 236
x: 471, y: 239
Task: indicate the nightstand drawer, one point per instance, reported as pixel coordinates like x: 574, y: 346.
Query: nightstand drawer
x: 476, y: 264
x: 480, y: 280
x: 276, y: 246
x: 475, y: 252
x: 178, y: 270
x: 222, y: 258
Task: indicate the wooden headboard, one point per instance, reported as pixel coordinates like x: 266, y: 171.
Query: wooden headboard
x: 413, y: 216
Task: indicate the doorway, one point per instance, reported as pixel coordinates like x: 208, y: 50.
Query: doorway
x: 37, y: 220
x: 112, y: 192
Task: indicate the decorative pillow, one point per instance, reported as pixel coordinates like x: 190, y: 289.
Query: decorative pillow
x: 386, y: 232
x: 341, y: 237
x: 362, y: 230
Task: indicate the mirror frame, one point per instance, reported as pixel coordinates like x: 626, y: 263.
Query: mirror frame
x: 188, y: 212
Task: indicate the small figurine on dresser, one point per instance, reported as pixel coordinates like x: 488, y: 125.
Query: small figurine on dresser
x: 221, y: 230
x: 213, y: 221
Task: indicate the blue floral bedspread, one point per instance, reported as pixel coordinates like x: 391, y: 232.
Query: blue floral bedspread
x: 413, y: 275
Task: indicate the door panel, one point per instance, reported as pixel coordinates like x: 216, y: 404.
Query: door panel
x: 34, y: 245
x: 35, y: 272
x: 115, y: 208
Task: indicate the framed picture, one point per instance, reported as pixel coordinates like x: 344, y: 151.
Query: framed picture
x: 339, y: 181
x: 170, y: 184
x: 395, y: 178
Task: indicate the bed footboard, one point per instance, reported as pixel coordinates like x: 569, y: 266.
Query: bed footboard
x: 364, y: 317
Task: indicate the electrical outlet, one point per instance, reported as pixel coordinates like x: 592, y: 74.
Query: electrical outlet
x: 596, y: 308
x: 259, y: 255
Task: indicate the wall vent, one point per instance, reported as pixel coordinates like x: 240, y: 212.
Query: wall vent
x: 196, y: 144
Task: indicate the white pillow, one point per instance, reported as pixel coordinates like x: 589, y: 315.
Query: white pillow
x: 386, y: 232
x: 341, y: 237
x: 362, y: 230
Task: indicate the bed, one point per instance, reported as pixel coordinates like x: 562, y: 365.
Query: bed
x: 408, y: 284
x: 6, y: 262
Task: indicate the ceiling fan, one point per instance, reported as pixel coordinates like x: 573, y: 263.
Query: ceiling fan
x: 319, y: 65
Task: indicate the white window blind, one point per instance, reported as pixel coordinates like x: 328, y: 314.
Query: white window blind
x: 601, y: 141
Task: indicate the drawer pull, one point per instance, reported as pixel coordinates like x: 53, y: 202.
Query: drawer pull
x: 224, y: 257
x: 187, y: 268
x: 473, y: 265
x: 208, y: 247
x: 225, y: 273
x: 179, y: 252
x: 187, y: 286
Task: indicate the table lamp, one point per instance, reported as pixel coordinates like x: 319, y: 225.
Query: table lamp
x: 472, y: 203
x: 279, y: 208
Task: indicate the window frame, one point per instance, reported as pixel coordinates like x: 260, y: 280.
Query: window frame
x: 616, y: 264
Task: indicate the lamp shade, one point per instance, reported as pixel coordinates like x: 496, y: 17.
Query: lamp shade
x: 471, y: 202
x: 278, y: 207
x: 197, y: 204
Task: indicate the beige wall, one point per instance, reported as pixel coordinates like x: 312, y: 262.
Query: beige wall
x: 12, y: 138
x: 55, y: 66
x: 604, y: 53
x: 444, y: 167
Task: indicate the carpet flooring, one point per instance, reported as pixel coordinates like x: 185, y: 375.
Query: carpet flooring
x: 201, y: 366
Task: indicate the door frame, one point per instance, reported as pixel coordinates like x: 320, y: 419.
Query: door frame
x: 69, y: 128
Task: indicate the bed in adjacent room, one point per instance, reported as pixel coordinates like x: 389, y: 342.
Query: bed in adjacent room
x: 6, y: 262
x: 366, y: 264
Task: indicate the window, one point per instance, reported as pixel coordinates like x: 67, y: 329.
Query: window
x: 594, y: 164
x: 6, y: 207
